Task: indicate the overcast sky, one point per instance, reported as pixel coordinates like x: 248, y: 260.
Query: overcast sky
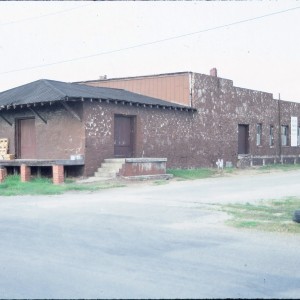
x: 82, y: 40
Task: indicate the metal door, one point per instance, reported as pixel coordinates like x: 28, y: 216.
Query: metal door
x: 26, y: 141
x: 123, y: 136
x: 243, y: 139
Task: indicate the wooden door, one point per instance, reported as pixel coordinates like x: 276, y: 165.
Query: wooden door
x: 26, y: 140
x: 123, y: 136
x: 243, y: 139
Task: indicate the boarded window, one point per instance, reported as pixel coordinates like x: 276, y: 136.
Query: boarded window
x: 271, y: 138
x: 258, y: 134
x: 284, y: 135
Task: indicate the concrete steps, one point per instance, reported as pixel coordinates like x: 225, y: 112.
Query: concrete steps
x: 109, y: 168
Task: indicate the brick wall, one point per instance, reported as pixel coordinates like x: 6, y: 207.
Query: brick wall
x: 140, y: 166
x: 196, y: 139
x: 62, y: 136
x: 159, y: 133
x: 222, y: 106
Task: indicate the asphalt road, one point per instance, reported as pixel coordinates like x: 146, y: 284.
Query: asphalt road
x: 147, y: 241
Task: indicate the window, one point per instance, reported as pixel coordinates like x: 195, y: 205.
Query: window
x: 284, y: 135
x: 298, y: 140
x: 258, y: 134
x: 271, y: 140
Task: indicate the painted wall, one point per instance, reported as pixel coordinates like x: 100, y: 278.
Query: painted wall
x: 169, y: 87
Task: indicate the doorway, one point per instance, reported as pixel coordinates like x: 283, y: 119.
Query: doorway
x: 123, y: 136
x: 243, y: 139
x: 25, y: 138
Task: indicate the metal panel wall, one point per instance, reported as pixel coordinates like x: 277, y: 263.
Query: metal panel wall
x: 170, y: 87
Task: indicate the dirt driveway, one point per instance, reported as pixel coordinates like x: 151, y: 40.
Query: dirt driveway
x: 147, y: 241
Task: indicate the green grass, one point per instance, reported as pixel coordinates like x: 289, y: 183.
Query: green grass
x: 272, y: 215
x: 192, y: 173
x: 279, y: 167
x: 43, y: 186
x: 200, y: 173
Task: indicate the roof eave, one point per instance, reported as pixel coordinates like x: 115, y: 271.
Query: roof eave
x: 107, y: 100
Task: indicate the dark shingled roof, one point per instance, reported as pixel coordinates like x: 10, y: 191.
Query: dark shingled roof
x: 50, y: 91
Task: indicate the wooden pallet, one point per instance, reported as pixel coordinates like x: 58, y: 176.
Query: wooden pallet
x: 4, y: 155
x: 3, y: 151
x: 8, y: 156
x: 3, y: 143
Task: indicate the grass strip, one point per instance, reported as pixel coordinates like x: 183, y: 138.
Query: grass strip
x: 12, y: 186
x: 271, y: 215
x: 192, y: 173
x: 279, y: 167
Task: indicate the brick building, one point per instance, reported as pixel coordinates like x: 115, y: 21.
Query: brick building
x: 48, y: 122
x: 191, y: 119
x: 235, y: 124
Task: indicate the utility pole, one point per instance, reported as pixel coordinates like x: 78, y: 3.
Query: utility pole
x: 279, y: 127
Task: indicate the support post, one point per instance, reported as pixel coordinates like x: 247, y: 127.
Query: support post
x: 25, y: 173
x: 38, y: 115
x: 3, y: 174
x: 71, y: 111
x: 58, y: 174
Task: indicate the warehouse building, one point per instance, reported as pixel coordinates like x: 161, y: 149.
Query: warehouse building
x: 191, y: 119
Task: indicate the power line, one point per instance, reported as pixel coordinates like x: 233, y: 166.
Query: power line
x: 151, y: 43
x: 45, y: 15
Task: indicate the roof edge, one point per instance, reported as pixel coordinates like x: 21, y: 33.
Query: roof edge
x: 137, y: 77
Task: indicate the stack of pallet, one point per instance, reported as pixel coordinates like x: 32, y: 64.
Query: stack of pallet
x: 4, y: 149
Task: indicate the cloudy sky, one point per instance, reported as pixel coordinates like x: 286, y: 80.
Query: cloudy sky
x: 254, y: 43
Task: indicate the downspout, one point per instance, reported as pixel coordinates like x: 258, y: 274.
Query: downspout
x: 191, y: 87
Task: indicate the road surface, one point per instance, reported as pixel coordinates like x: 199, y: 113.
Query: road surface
x: 147, y: 241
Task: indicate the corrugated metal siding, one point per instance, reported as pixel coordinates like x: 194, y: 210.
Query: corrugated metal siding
x: 174, y: 88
